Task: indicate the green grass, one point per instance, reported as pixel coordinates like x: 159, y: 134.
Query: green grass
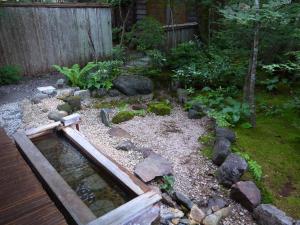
x: 275, y: 145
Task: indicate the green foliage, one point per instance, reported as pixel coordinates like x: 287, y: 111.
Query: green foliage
x: 220, y: 106
x: 119, y: 53
x: 167, y: 185
x: 103, y: 75
x: 270, y: 110
x: 10, y: 74
x: 116, y: 32
x: 147, y: 34
x: 158, y: 60
x: 207, y: 139
x: 253, y: 167
x: 294, y: 104
x: 75, y: 75
x: 160, y: 108
x: 184, y: 54
x: 122, y: 117
x: 65, y: 107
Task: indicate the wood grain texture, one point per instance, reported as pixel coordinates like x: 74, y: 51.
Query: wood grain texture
x: 68, y: 198
x: 23, y: 200
x: 37, y: 36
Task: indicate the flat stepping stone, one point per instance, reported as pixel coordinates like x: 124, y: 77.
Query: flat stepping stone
x: 153, y: 166
x: 118, y: 132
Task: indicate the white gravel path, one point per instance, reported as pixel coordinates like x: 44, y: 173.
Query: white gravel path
x: 175, y: 137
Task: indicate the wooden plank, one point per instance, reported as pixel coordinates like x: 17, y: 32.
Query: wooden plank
x: 128, y: 211
x: 130, y: 181
x: 36, y: 131
x: 68, y: 198
x: 23, y: 199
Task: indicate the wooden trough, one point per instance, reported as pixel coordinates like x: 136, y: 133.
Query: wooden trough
x: 142, y: 206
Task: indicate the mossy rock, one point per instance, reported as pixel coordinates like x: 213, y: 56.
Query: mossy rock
x: 74, y: 102
x: 160, y: 108
x: 65, y: 107
x: 122, y: 117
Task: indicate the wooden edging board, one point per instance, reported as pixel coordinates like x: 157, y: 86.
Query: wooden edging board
x: 131, y: 182
x: 80, y: 213
x: 69, y: 199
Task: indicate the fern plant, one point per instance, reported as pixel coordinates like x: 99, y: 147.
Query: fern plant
x: 254, y: 168
x: 75, y: 75
x: 167, y: 185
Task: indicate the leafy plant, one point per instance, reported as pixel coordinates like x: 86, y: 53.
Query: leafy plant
x: 254, y: 168
x: 118, y: 53
x: 75, y: 75
x: 10, y: 74
x: 271, y: 84
x: 158, y: 60
x: 103, y: 75
x: 167, y: 185
x: 147, y: 34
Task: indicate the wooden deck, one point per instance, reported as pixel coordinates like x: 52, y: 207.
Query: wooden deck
x: 22, y: 198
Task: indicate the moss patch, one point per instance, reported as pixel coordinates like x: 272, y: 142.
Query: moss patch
x: 122, y: 117
x: 160, y: 108
x: 74, y: 102
x: 65, y: 107
x: 275, y: 145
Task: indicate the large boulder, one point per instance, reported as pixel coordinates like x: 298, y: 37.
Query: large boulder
x: 267, y: 214
x: 226, y: 133
x: 221, y: 150
x: 133, y: 85
x: 231, y: 170
x: 246, y: 193
x: 153, y: 166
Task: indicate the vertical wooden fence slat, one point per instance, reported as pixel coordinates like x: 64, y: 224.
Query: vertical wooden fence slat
x: 37, y: 36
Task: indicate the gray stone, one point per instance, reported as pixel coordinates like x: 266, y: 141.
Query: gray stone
x: 297, y: 222
x: 215, y: 203
x: 226, y: 133
x: 215, y: 218
x: 246, y: 193
x: 167, y: 200
x: 83, y: 94
x: 104, y: 115
x: 37, y: 98
x: 60, y: 83
x: 101, y: 92
x: 65, y: 92
x: 118, y: 132
x: 125, y: 146
x: 153, y: 166
x: 267, y: 214
x: 196, y: 214
x: 114, y: 93
x: 182, y: 199
x: 168, y: 214
x: 145, y: 151
x: 193, y: 114
x: 57, y: 115
x: 133, y: 85
x: 49, y: 90
x: 182, y: 95
x: 221, y: 150
x: 231, y: 170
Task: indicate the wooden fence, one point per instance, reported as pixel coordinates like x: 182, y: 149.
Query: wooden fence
x: 37, y: 36
x: 179, y: 33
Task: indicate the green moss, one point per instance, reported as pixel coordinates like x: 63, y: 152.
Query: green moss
x: 207, y: 139
x: 122, y: 116
x: 160, y: 108
x: 275, y: 144
x: 74, y: 102
x: 207, y: 151
x: 65, y: 107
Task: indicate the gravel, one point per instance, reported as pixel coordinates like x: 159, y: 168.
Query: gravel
x: 175, y: 137
x: 10, y: 117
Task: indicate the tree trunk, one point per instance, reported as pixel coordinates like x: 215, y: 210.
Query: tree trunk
x: 249, y: 85
x: 124, y: 21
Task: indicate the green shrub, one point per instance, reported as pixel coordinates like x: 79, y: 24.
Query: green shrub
x: 10, y: 74
x: 147, y: 34
x: 75, y: 75
x: 119, y: 53
x: 168, y: 183
x: 160, y: 108
x: 158, y: 60
x: 184, y: 54
x: 122, y: 117
x: 103, y: 75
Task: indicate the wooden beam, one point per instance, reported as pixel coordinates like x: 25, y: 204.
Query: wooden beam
x: 129, y: 210
x: 68, y: 198
x: 131, y: 182
x: 35, y: 132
